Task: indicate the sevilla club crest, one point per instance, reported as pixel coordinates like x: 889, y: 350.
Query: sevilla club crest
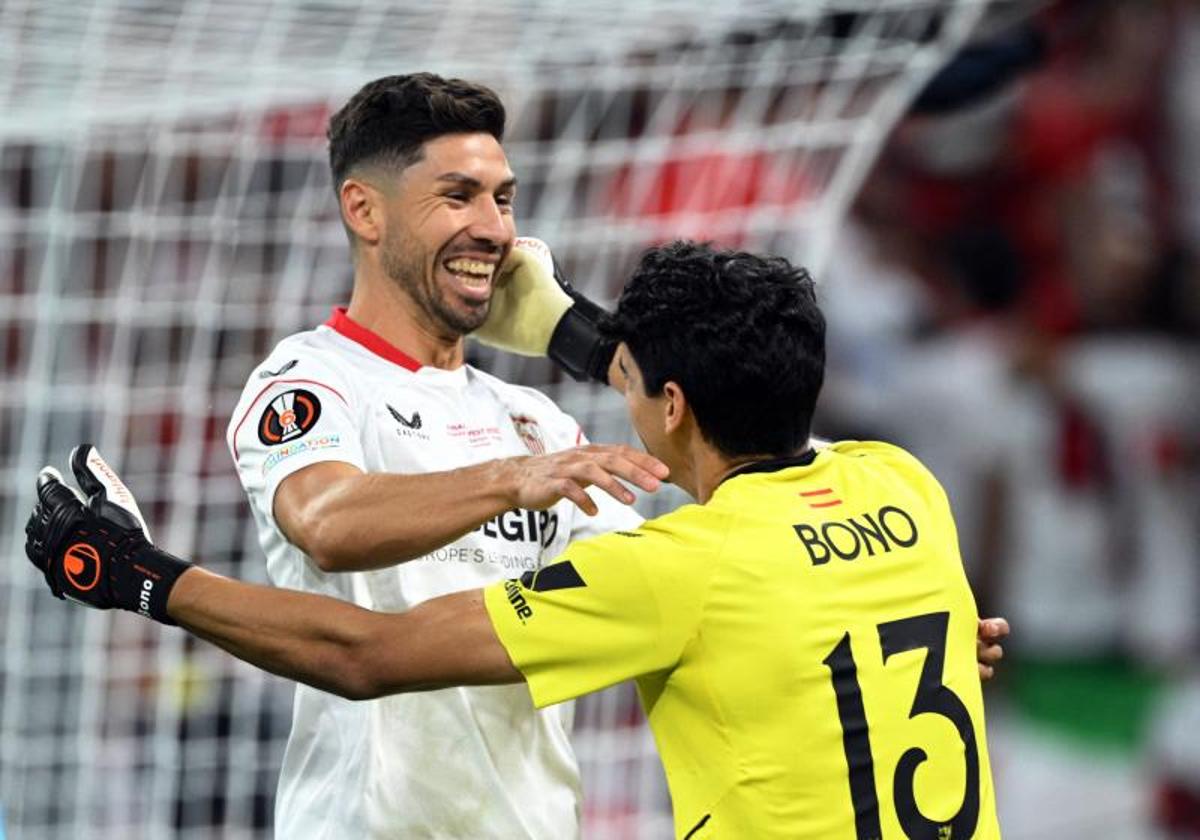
x: 530, y: 433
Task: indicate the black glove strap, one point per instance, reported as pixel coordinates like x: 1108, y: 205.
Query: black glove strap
x: 143, y: 582
x: 577, y: 346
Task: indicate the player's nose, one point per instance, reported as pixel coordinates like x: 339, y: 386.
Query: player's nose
x: 490, y: 224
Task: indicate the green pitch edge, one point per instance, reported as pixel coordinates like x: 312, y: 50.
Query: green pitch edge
x: 1102, y: 703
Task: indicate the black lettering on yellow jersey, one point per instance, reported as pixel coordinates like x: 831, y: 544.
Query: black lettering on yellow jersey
x: 519, y: 604
x: 890, y: 528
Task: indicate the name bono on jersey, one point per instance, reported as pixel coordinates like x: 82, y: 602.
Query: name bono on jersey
x: 889, y: 528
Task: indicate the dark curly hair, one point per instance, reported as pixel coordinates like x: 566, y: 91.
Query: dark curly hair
x: 390, y: 119
x: 741, y: 334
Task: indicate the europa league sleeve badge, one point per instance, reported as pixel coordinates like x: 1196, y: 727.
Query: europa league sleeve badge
x: 289, y: 416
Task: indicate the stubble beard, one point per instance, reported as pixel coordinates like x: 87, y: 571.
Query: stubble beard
x: 405, y: 266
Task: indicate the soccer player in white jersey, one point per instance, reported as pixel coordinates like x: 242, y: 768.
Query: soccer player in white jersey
x: 384, y: 471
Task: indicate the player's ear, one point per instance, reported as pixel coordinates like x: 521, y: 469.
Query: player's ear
x: 675, y: 407
x: 362, y: 210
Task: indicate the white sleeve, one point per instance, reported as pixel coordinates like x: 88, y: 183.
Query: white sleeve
x: 285, y: 423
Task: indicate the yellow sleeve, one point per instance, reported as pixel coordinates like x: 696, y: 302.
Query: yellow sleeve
x: 607, y: 610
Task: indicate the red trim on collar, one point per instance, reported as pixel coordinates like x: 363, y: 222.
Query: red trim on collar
x: 340, y: 322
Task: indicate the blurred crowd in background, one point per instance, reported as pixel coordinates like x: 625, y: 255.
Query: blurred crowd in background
x: 1017, y: 299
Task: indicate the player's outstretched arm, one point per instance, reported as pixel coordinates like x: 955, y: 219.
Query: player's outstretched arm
x: 535, y: 311
x: 348, y: 520
x: 340, y: 648
x: 96, y: 551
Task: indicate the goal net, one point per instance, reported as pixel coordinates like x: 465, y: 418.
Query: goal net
x: 166, y: 216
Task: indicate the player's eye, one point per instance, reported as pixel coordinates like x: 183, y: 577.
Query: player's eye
x: 460, y: 197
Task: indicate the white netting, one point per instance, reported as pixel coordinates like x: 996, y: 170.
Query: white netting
x: 166, y: 216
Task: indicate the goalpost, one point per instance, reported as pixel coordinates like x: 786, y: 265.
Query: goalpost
x: 166, y: 216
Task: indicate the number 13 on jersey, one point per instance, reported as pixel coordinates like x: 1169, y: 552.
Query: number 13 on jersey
x: 953, y: 740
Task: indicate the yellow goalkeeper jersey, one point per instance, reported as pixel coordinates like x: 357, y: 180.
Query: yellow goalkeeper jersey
x: 803, y: 645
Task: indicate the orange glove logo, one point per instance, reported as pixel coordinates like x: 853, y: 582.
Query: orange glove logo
x: 81, y: 563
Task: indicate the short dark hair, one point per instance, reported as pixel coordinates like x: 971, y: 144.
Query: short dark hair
x: 741, y: 334
x: 390, y: 119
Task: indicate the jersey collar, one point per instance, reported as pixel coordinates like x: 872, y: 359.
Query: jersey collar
x: 774, y: 464
x: 342, y: 323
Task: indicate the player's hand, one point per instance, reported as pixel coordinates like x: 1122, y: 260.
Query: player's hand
x: 527, y: 302
x: 95, y: 548
x: 542, y: 480
x: 988, y: 649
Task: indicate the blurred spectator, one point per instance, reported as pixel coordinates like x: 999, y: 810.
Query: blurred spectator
x: 1035, y: 351
x: 1174, y: 751
x: 1183, y: 158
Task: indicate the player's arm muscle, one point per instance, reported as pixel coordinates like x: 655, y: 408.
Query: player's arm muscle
x: 348, y: 520
x: 340, y: 648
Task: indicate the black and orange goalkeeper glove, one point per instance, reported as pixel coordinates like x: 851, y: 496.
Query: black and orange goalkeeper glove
x: 93, y: 547
x: 536, y: 312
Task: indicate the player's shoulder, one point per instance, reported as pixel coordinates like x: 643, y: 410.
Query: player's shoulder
x: 306, y: 364
x: 888, y: 465
x: 675, y: 554
x: 685, y: 532
x: 299, y: 354
x: 877, y: 452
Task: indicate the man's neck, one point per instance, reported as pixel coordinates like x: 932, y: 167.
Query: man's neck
x: 390, y: 313
x: 711, y: 467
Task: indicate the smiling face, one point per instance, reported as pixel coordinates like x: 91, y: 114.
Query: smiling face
x: 449, y: 225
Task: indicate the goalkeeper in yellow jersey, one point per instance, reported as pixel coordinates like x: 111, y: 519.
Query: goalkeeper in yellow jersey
x: 803, y: 639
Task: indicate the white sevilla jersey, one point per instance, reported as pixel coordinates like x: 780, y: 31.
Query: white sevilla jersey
x: 459, y: 763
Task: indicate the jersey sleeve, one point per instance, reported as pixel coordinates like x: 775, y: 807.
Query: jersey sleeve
x: 609, y: 609
x: 292, y: 414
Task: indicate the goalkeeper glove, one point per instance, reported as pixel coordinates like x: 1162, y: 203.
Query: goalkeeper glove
x: 96, y: 549
x: 536, y: 312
